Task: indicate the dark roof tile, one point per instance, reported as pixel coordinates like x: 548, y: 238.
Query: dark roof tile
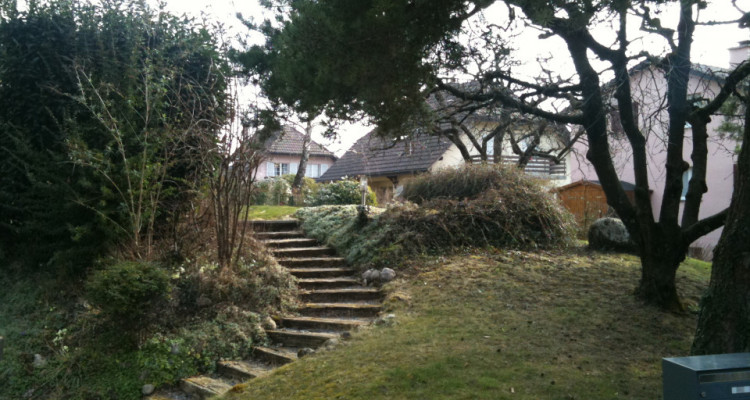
x: 290, y: 143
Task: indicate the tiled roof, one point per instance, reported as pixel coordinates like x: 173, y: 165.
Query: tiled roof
x: 290, y: 143
x: 375, y: 156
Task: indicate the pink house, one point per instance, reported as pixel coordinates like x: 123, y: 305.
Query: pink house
x: 283, y: 153
x: 648, y: 86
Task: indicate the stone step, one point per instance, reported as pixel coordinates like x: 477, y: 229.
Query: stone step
x: 243, y: 370
x: 275, y: 356
x: 340, y: 309
x: 322, y: 324
x: 320, y: 272
x: 303, y: 252
x: 279, y: 225
x: 279, y: 235
x: 306, y: 262
x: 340, y: 295
x: 294, y: 338
x: 327, y: 283
x: 204, y: 387
x: 293, y: 242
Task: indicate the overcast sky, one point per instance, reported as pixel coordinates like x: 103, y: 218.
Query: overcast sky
x: 710, y: 46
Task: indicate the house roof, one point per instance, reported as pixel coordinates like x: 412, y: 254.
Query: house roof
x: 373, y: 155
x: 289, y: 142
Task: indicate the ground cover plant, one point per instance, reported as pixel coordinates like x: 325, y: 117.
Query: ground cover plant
x: 503, y: 324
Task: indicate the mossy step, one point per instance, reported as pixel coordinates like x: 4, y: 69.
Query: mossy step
x: 244, y: 370
x: 275, y: 356
x: 327, y: 283
x: 341, y: 295
x: 287, y: 243
x: 307, y: 252
x: 320, y: 272
x: 204, y: 387
x: 261, y: 225
x: 302, y: 262
x: 322, y: 324
x: 295, y: 338
x: 340, y: 309
x: 293, y: 234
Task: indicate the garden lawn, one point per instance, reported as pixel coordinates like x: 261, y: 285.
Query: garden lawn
x: 503, y: 325
x: 270, y: 212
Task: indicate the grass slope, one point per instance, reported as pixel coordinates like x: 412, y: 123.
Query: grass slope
x: 269, y: 212
x: 503, y: 325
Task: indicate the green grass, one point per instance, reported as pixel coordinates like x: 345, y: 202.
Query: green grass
x: 270, y: 212
x: 502, y: 325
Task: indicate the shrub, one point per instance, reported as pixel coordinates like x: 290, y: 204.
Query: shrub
x: 272, y: 192
x: 128, y: 292
x: 519, y: 213
x: 308, y: 192
x: 345, y: 191
x: 466, y: 182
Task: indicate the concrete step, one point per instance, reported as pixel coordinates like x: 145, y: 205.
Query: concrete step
x: 243, y: 370
x: 279, y: 235
x: 340, y: 295
x: 321, y: 324
x: 303, y: 252
x: 321, y: 272
x: 307, y: 262
x: 275, y: 356
x: 295, y: 338
x: 279, y: 225
x: 342, y: 310
x: 204, y: 387
x: 293, y: 242
x: 327, y: 283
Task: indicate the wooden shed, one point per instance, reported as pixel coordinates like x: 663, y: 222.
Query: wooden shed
x: 587, y: 202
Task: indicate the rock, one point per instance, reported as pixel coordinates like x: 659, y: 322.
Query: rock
x: 304, y: 352
x: 374, y: 277
x: 331, y: 343
x: 39, y: 361
x: 610, y: 234
x: 268, y: 323
x: 346, y: 335
x: 387, y: 320
x: 387, y: 275
x: 147, y: 389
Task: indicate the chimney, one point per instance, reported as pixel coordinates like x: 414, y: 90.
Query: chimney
x: 740, y: 53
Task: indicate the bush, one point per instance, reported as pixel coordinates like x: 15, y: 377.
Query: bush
x: 466, y: 182
x: 345, y: 191
x: 128, y: 292
x: 519, y: 213
x: 308, y: 192
x: 272, y: 192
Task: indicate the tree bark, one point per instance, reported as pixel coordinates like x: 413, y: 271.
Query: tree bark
x: 724, y: 321
x: 660, y: 258
x: 297, y: 183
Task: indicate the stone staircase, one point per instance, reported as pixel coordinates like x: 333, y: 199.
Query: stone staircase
x: 333, y: 303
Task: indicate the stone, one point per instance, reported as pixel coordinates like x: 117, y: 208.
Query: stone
x: 147, y: 389
x: 39, y: 361
x: 610, y: 234
x: 305, y: 351
x: 269, y: 324
x: 386, y: 320
x: 331, y: 343
x: 387, y: 275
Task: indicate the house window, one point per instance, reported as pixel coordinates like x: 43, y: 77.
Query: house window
x: 315, y: 170
x: 277, y: 169
x: 686, y: 176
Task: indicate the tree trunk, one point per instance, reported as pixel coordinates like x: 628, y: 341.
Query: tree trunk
x: 659, y: 262
x: 297, y: 184
x: 724, y: 322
